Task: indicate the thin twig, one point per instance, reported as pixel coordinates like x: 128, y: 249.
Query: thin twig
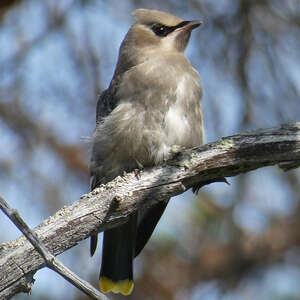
x: 51, y: 261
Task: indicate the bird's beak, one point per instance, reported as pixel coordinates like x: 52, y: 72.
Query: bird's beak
x: 189, y: 25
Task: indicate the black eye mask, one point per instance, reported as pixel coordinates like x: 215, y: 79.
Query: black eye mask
x: 163, y: 30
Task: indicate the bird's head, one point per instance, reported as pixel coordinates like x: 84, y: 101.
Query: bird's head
x: 161, y: 31
x: 154, y: 33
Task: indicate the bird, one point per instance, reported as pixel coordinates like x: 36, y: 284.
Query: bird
x: 152, y: 104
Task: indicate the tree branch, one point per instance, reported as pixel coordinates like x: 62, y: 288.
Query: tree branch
x: 111, y: 204
x: 51, y: 261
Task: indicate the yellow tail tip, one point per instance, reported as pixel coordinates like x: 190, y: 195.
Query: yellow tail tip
x: 124, y: 287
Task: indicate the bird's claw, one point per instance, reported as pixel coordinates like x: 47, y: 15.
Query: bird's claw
x: 138, y: 171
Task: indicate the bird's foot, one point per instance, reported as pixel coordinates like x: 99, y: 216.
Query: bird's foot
x: 174, y: 151
x: 138, y: 171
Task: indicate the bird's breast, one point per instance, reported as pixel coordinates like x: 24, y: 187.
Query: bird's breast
x: 184, y: 114
x: 159, y: 107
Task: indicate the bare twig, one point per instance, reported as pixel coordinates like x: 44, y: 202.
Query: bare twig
x: 111, y: 204
x: 51, y: 261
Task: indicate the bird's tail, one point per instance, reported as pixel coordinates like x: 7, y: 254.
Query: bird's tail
x: 116, y: 273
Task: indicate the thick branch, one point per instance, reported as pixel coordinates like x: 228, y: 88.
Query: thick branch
x: 111, y: 204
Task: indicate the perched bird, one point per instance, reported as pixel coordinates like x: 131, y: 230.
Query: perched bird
x: 151, y: 105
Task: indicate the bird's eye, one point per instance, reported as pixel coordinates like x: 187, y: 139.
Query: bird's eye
x: 160, y: 30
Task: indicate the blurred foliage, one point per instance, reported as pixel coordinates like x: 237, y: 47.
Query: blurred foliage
x: 236, y: 242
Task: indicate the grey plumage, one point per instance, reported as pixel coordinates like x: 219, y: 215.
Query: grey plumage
x: 152, y: 103
x: 155, y: 97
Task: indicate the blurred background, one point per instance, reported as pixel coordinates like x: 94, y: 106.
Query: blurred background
x: 230, y: 242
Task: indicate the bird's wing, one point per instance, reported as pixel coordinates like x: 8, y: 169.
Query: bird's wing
x: 105, y: 105
x: 107, y: 101
x: 147, y: 224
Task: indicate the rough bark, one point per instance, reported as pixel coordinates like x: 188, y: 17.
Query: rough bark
x: 112, y: 203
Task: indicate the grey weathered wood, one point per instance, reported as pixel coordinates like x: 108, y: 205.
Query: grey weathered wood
x: 111, y: 204
x: 50, y: 260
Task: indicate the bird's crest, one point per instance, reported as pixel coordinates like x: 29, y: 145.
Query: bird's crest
x: 151, y: 16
